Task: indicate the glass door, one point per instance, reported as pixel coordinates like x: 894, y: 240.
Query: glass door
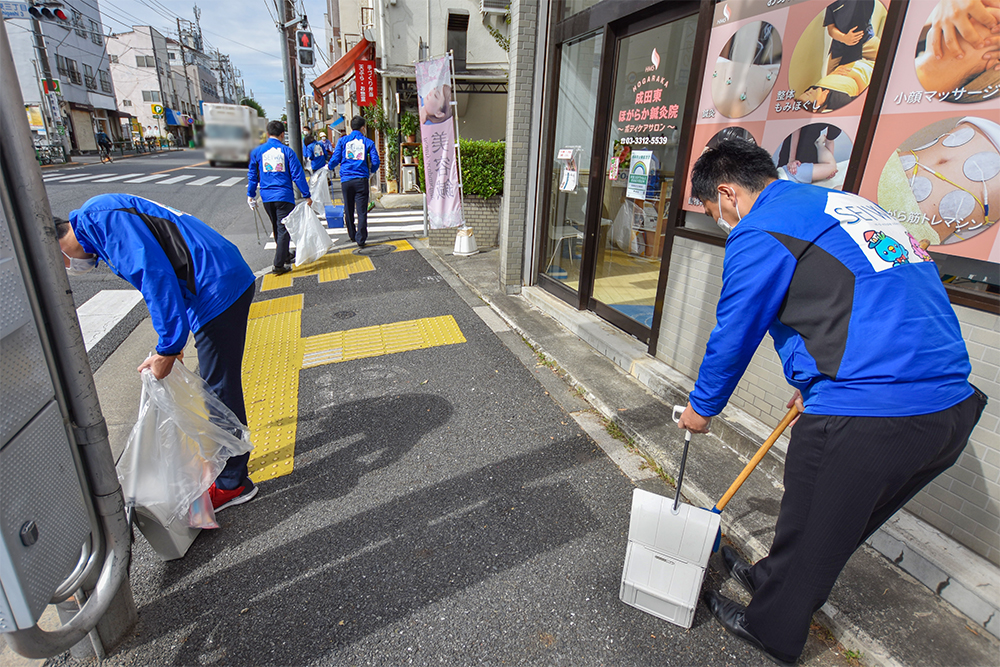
x: 569, y: 175
x: 651, y: 79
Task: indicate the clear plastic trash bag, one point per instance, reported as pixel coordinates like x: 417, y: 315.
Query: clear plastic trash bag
x: 307, y: 232
x: 319, y: 186
x: 180, y: 443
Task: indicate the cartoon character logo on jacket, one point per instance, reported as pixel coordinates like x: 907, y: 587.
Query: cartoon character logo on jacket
x: 887, y: 247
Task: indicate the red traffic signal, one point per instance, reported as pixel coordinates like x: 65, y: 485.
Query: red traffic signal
x: 61, y: 15
x: 305, y: 39
x: 47, y: 11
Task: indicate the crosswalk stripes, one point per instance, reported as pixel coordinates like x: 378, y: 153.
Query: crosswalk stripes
x: 119, y: 177
x: 80, y: 179
x: 406, y: 222
x: 58, y: 177
x: 175, y: 179
x: 203, y: 181
x: 229, y: 182
x: 146, y: 179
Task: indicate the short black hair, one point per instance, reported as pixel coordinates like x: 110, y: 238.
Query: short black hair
x: 62, y: 226
x: 357, y: 123
x: 734, y: 161
x: 275, y: 128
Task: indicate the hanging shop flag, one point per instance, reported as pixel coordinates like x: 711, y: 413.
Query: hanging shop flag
x: 439, y: 137
x: 364, y: 77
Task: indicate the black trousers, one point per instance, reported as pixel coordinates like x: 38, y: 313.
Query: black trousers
x: 220, y: 345
x: 278, y: 211
x: 355, y: 193
x: 844, y: 477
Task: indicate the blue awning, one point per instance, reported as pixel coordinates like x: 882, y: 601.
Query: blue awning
x: 171, y: 117
x: 337, y: 122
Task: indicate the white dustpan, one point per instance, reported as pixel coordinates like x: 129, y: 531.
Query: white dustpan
x: 669, y: 544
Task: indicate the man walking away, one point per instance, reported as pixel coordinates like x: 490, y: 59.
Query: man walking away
x: 316, y: 153
x: 274, y: 166
x: 884, y: 388
x: 355, y: 153
x: 192, y: 279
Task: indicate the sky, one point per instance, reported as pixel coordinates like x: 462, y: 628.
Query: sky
x: 241, y: 28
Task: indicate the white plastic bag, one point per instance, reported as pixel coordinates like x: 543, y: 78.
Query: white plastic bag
x: 311, y: 240
x: 319, y: 186
x: 623, y: 232
x: 178, y: 446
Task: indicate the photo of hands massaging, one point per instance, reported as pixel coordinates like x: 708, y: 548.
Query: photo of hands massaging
x: 958, y: 52
x: 834, y: 58
x: 817, y: 153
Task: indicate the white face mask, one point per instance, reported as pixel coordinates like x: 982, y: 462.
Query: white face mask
x: 725, y: 226
x: 78, y: 267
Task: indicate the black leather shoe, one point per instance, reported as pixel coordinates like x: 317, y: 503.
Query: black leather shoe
x: 738, y: 569
x: 731, y: 615
x: 280, y: 270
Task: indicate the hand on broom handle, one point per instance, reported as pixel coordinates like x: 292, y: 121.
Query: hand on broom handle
x: 791, y: 416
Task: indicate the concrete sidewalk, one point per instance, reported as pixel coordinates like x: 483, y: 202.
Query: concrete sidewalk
x: 876, y: 609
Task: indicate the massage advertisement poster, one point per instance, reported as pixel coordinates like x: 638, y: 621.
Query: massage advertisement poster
x: 791, y: 76
x: 935, y: 158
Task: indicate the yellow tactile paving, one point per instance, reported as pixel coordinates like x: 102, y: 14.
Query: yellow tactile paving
x: 334, y: 266
x: 271, y: 366
x: 331, y: 348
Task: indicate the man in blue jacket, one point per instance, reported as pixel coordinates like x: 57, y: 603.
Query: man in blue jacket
x: 316, y: 153
x: 274, y: 166
x: 192, y: 279
x: 871, y: 344
x: 355, y: 153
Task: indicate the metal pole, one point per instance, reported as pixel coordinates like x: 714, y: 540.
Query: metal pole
x: 34, y: 238
x: 294, y: 127
x: 458, y: 150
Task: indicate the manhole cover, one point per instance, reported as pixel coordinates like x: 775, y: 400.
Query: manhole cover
x: 344, y: 315
x: 375, y: 250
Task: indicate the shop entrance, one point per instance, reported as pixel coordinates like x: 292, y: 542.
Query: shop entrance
x: 614, y: 157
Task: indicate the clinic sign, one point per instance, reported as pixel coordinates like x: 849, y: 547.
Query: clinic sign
x: 364, y: 77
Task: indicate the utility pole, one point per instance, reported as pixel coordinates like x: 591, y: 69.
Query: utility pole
x: 180, y: 40
x: 50, y: 104
x: 289, y: 57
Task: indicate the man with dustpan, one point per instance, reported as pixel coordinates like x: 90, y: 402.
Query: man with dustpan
x: 868, y: 339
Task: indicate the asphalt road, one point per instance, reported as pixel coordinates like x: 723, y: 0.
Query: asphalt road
x: 445, y: 508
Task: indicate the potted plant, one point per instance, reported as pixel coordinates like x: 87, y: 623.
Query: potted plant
x: 408, y: 127
x: 407, y: 155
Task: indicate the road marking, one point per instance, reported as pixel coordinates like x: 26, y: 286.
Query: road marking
x: 115, y: 178
x: 80, y: 179
x: 229, y: 182
x: 167, y: 171
x: 146, y: 179
x: 175, y: 179
x: 334, y: 266
x: 203, y: 181
x: 275, y: 353
x: 59, y: 177
x: 340, y: 231
x: 103, y: 311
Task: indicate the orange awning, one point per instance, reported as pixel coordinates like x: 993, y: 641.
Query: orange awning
x: 341, y: 71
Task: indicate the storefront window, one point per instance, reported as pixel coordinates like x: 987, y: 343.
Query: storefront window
x: 653, y: 70
x: 576, y: 107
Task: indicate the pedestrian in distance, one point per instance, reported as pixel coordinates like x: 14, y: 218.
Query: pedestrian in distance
x: 274, y: 166
x: 104, y: 146
x: 315, y: 153
x: 192, y: 279
x: 358, y: 159
x: 327, y: 144
x: 868, y: 339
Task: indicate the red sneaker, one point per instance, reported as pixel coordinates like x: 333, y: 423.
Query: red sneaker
x: 223, y: 498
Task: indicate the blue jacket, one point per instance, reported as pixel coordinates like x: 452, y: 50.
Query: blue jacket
x: 274, y: 166
x: 351, y: 153
x: 316, y: 153
x: 856, y: 309
x: 187, y: 272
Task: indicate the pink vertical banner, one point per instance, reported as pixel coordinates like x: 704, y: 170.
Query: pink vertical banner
x: 438, y: 136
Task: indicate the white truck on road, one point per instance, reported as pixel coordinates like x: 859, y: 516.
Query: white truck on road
x: 232, y: 131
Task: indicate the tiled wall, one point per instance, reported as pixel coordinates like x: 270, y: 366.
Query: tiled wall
x: 964, y: 502
x: 483, y: 215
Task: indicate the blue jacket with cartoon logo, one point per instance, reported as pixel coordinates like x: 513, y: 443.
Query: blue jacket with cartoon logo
x: 856, y: 308
x: 187, y: 272
x: 316, y: 153
x: 274, y: 166
x: 351, y: 153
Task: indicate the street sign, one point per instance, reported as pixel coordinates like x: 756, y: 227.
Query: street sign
x: 364, y: 76
x: 56, y: 87
x: 15, y: 10
x: 157, y: 109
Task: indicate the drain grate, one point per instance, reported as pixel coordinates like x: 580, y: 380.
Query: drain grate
x: 375, y: 250
x: 344, y: 315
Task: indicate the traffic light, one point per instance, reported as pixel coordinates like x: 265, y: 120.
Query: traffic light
x: 47, y: 11
x: 304, y: 46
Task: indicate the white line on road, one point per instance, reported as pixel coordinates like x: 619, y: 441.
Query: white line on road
x: 146, y: 179
x: 229, y: 182
x: 115, y: 178
x: 203, y: 181
x: 103, y: 311
x: 59, y: 177
x: 80, y: 179
x: 175, y: 179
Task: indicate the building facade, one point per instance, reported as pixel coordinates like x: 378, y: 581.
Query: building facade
x: 145, y: 80
x: 76, y: 61
x: 612, y: 102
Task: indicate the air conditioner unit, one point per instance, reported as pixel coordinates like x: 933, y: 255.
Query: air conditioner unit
x: 494, y: 6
